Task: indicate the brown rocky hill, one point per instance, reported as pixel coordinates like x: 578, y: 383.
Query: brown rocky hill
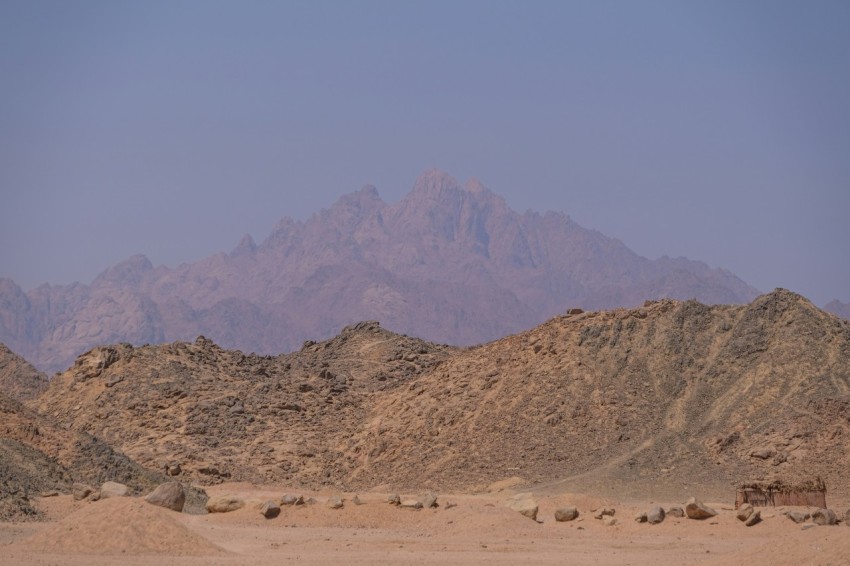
x: 36, y: 455
x: 664, y: 398
x: 450, y: 263
x: 220, y: 414
x: 18, y: 379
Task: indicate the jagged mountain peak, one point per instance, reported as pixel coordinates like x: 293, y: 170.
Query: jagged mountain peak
x: 128, y: 272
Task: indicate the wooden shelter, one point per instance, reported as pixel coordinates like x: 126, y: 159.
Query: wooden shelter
x: 810, y: 493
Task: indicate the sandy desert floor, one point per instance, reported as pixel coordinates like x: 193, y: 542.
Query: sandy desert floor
x: 479, y: 529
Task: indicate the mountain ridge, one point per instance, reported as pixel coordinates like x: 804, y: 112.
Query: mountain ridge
x: 449, y: 262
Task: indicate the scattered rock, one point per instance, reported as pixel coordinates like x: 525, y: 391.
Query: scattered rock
x: 695, y: 509
x: 292, y: 499
x: 411, y: 504
x: 356, y: 500
x: 169, y: 495
x: 173, y: 469
x: 744, y: 512
x: 51, y: 493
x: 394, y: 499
x: 847, y: 518
x: 524, y: 504
x: 270, y: 509
x: 81, y: 491
x: 113, y: 489
x: 676, y: 512
x: 575, y: 311
x: 609, y: 521
x: 753, y: 519
x: 824, y: 517
x: 563, y: 514
x: 655, y: 515
x: 641, y: 517
x: 450, y: 504
x: 808, y: 526
x: 335, y: 502
x: 225, y: 504
x: 798, y: 516
x: 429, y: 500
x: 763, y: 453
x: 604, y: 512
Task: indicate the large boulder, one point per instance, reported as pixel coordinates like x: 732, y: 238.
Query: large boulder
x: 113, y: 489
x: 225, y: 504
x: 744, y: 512
x: 696, y: 509
x: 524, y: 504
x: 170, y: 495
x: 753, y: 519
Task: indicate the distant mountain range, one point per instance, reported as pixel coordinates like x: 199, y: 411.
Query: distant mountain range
x: 449, y: 263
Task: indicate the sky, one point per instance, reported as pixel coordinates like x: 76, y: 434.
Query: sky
x: 716, y: 130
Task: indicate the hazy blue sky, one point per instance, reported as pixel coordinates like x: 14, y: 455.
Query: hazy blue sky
x: 715, y: 130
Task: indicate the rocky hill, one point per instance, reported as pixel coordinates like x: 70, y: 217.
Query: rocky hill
x: 18, y: 379
x: 37, y: 456
x: 660, y: 398
x: 450, y: 263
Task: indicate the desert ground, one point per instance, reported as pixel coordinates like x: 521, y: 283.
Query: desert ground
x: 463, y: 529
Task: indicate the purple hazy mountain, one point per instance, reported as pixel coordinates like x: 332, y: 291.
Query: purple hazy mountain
x: 450, y: 263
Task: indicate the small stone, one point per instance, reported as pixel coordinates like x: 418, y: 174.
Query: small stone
x: 655, y: 516
x: 753, y: 519
x: 224, y: 504
x: 113, y: 489
x: 604, y: 512
x: 270, y: 509
x: 52, y: 493
x: 292, y: 499
x: 524, y: 504
x: 563, y: 514
x: 81, y: 491
x: 744, y: 512
x: 356, y: 500
x: 429, y: 500
x: 335, y: 502
x: 609, y: 521
x: 394, y: 499
x: 641, y: 517
x: 695, y: 509
x: 824, y: 517
x: 676, y: 512
x: 169, y: 495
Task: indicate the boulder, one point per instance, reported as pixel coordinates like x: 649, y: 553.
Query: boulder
x: 744, y: 512
x: 695, y: 509
x: 81, y: 491
x: 563, y: 514
x: 292, y: 499
x: 604, y: 512
x: 640, y: 517
x: 225, y: 504
x: 169, y: 495
x: 394, y: 499
x: 824, y: 517
x: 429, y: 500
x: 270, y: 509
x: 113, y: 489
x: 676, y: 512
x: 335, y: 502
x: 798, y: 516
x: 524, y: 504
x: 655, y: 516
x: 753, y: 519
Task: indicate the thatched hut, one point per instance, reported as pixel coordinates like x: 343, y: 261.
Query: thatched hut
x: 810, y: 493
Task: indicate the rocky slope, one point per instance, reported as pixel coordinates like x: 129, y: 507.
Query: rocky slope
x: 18, y: 379
x: 36, y: 456
x: 449, y: 263
x: 660, y: 398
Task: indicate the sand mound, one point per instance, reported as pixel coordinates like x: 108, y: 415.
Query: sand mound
x: 120, y: 525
